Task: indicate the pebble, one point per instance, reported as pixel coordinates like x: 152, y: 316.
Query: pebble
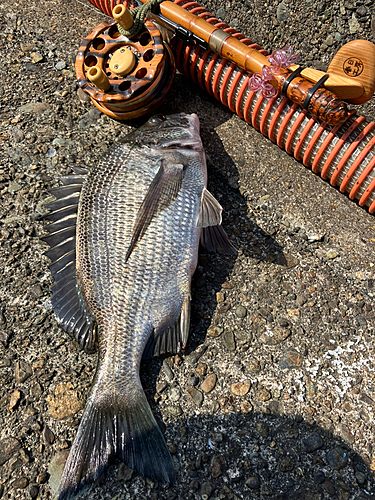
x: 20, y: 483
x: 286, y: 465
x: 192, y: 379
x: 274, y: 336
x: 229, y: 340
x: 65, y: 402
x: 217, y: 466
x: 345, y: 433
x: 329, y: 40
x: 34, y: 491
x: 42, y: 477
x: 331, y: 254
x: 167, y: 370
x: 124, y: 473
x: 83, y: 96
x: 263, y: 395
x: 360, y: 477
x: 262, y: 429
x: 22, y: 371
x: 36, y: 57
x: 60, y: 65
x: 48, y: 435
x: 240, y: 311
x: 209, y: 383
x: 313, y: 442
x: 220, y: 13
x: 253, y: 483
x: 319, y: 477
x: 282, y: 13
x: 215, y: 331
x: 55, y: 470
x: 174, y: 394
x: 195, y: 395
x: 161, y: 386
x: 14, y: 400
x: 174, y: 411
x: 290, y: 359
x: 241, y: 388
x: 193, y: 358
x: 8, y: 448
x: 14, y: 187
x: 206, y: 490
x: 354, y: 25
x: 246, y: 407
x: 201, y: 369
x: 337, y: 458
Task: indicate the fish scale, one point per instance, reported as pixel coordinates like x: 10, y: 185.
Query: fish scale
x: 122, y: 280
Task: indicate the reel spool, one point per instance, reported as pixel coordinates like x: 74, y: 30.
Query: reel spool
x: 125, y: 78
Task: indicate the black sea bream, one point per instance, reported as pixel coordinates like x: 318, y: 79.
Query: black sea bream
x: 122, y: 266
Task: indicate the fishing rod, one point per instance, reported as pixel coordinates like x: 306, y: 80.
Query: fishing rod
x: 308, y: 117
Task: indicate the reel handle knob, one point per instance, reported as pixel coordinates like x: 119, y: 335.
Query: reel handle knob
x: 97, y: 76
x: 123, y: 17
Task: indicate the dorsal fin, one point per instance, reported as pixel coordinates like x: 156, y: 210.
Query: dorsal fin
x: 67, y: 301
x: 163, y: 190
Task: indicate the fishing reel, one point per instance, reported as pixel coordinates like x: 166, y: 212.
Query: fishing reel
x: 125, y: 78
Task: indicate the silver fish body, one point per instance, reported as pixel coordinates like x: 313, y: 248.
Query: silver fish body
x: 140, y: 215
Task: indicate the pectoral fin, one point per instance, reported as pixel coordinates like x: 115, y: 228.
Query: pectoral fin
x: 162, y: 192
x: 210, y: 212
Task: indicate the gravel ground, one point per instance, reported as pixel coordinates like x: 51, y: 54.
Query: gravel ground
x: 275, y: 396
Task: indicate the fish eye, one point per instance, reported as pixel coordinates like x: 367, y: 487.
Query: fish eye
x: 155, y: 120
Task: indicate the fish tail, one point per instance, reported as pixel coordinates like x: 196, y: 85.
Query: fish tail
x: 109, y: 429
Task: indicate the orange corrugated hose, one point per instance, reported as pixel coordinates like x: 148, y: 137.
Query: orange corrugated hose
x: 343, y: 154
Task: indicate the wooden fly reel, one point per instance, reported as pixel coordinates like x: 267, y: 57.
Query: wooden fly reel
x: 125, y: 78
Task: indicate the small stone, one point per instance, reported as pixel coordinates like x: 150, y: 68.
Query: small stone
x: 220, y: 297
x: 290, y: 359
x: 240, y: 311
x: 345, y: 433
x: 253, y: 483
x: 282, y: 13
x: 229, y: 340
x: 294, y: 313
x: 22, y: 372
x: 192, y: 379
x: 14, y: 187
x: 193, y: 358
x: 337, y: 458
x: 241, y: 388
x: 331, y: 254
x: 36, y: 57
x: 20, y: 483
x: 174, y: 411
x: 313, y: 442
x: 8, y: 448
x: 221, y: 13
x: 55, y: 470
x: 83, y: 96
x: 286, y: 465
x: 26, y: 47
x: 124, y: 473
x: 215, y: 331
x: 206, y: 490
x: 217, y: 466
x: 262, y: 429
x: 246, y: 406
x: 65, y: 402
x: 329, y: 40
x: 167, y: 370
x: 274, y: 335
x: 201, y: 369
x: 354, y: 25
x: 319, y: 477
x: 195, y: 395
x: 263, y: 395
x: 14, y: 400
x: 360, y: 477
x: 217, y: 437
x: 33, y: 491
x: 328, y: 486
x: 48, y: 435
x: 161, y: 386
x: 42, y: 477
x: 209, y: 383
x: 174, y: 394
x: 90, y: 118
x: 60, y: 65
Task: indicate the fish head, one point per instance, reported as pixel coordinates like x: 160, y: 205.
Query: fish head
x: 174, y: 132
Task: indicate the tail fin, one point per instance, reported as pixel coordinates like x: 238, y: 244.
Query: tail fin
x: 128, y: 431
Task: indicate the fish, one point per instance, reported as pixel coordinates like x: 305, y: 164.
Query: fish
x: 124, y: 238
